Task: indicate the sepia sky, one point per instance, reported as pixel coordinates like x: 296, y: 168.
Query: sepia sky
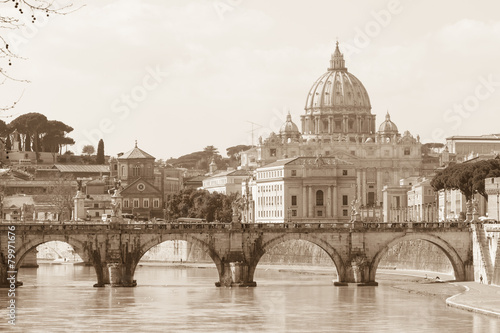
x: 179, y: 75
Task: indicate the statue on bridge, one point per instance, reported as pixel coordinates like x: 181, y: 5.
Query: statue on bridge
x: 355, y: 207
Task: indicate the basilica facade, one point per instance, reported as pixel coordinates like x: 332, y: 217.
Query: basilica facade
x: 338, y: 122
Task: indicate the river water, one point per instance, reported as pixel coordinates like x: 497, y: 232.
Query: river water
x: 60, y: 298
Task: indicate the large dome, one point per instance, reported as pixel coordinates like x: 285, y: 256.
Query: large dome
x: 337, y: 90
x: 337, y: 103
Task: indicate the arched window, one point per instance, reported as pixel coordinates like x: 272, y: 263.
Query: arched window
x: 319, y: 198
x: 137, y: 170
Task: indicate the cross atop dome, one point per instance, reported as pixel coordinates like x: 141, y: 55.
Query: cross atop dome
x: 337, y: 60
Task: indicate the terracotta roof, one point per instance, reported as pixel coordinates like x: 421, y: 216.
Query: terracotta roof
x: 135, y: 153
x: 82, y: 168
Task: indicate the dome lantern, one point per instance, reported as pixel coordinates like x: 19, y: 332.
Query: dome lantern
x: 337, y: 61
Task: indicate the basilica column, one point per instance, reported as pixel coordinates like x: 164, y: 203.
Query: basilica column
x: 344, y: 124
x: 358, y: 184
x: 302, y: 124
x: 329, y: 202
x: 311, y: 207
x: 335, y: 203
x: 304, y: 201
x: 363, y: 187
x: 330, y: 130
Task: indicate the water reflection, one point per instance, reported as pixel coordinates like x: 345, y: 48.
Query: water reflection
x: 60, y: 298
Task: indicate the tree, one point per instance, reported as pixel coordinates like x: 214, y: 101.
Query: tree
x: 62, y: 198
x: 88, y: 149
x: 13, y: 14
x: 54, y: 136
x: 467, y: 177
x: 30, y: 124
x: 201, y: 204
x: 100, y: 152
x: 235, y: 151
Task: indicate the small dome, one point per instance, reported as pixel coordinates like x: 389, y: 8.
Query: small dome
x: 388, y: 127
x: 369, y: 140
x: 289, y: 129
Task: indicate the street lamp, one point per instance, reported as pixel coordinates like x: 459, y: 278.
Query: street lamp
x: 498, y: 211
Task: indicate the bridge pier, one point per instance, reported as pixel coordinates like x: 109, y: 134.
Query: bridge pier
x: 235, y: 274
x: 119, y: 275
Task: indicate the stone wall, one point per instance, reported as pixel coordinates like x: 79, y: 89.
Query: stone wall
x: 419, y: 255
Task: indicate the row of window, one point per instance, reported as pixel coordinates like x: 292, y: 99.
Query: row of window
x: 145, y: 203
x: 270, y: 174
x: 269, y: 188
x: 270, y: 201
x: 271, y: 213
x: 320, y: 199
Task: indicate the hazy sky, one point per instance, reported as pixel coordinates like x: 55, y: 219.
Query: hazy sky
x: 180, y: 75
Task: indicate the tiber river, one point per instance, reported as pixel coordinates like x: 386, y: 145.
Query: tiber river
x: 60, y: 298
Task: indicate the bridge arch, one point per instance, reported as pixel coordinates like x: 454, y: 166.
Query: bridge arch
x: 456, y: 262
x: 28, y: 246
x: 204, y: 246
x: 330, y: 250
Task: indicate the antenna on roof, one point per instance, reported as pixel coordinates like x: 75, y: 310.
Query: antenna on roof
x: 253, y: 130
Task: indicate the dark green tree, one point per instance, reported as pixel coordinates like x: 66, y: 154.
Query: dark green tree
x: 100, y: 152
x: 467, y: 177
x: 201, y: 204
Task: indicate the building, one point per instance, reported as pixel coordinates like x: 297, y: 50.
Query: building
x: 28, y: 208
x: 301, y: 189
x: 338, y: 122
x: 73, y: 171
x: 462, y: 146
x: 133, y: 165
x: 226, y: 182
x: 492, y: 188
x: 136, y: 184
x: 422, y: 203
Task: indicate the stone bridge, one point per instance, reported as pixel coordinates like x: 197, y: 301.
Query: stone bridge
x: 115, y: 249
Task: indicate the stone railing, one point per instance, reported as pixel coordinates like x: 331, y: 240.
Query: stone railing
x: 99, y: 226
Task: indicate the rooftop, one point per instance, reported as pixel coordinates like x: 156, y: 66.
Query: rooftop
x: 82, y: 168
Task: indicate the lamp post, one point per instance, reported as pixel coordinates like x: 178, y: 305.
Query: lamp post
x: 498, y: 210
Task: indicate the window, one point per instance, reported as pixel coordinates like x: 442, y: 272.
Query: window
x: 353, y: 153
x: 345, y: 200
x: 371, y: 198
x: 344, y: 212
x: 319, y: 198
x: 294, y: 200
x: 136, y: 203
x: 272, y: 152
x: 136, y: 171
x: 294, y: 173
x: 294, y: 212
x: 145, y: 203
x: 156, y: 203
x: 125, y: 203
x: 319, y: 213
x: 407, y: 151
x: 96, y: 205
x: 327, y: 153
x: 344, y: 172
